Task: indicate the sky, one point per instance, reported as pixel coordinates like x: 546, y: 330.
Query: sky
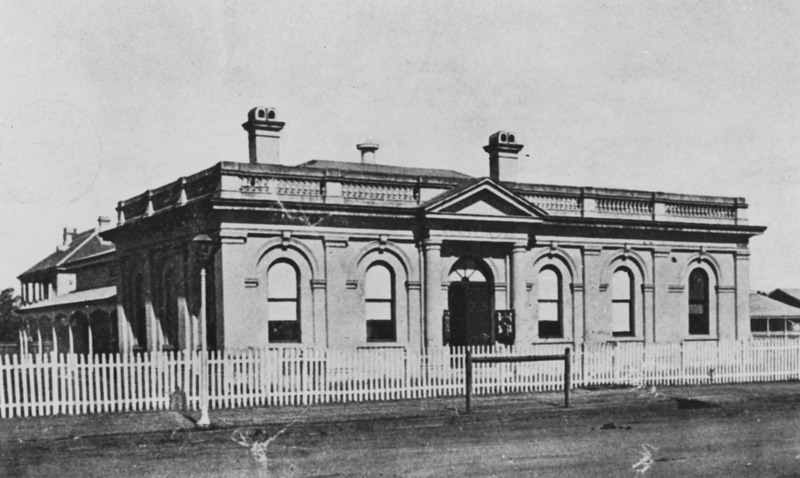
x: 100, y: 101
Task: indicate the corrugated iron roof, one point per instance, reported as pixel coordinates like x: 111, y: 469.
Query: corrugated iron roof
x: 794, y: 293
x: 84, y: 296
x: 83, y: 245
x: 763, y: 306
x: 383, y: 169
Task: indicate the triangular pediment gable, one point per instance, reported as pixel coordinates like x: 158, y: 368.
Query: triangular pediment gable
x: 483, y: 198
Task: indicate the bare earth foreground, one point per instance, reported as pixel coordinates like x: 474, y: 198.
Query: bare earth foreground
x: 722, y: 430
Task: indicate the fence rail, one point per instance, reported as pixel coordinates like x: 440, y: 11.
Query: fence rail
x: 53, y: 384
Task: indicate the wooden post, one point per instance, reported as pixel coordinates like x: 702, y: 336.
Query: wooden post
x: 469, y: 359
x: 468, y: 384
x: 567, y: 376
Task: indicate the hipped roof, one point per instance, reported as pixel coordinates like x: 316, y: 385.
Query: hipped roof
x: 762, y: 306
x: 83, y: 245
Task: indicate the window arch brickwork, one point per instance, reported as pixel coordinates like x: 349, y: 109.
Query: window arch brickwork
x: 549, y: 303
x: 139, y: 310
x: 283, y: 301
x: 625, y: 311
x: 286, y: 319
x: 701, y: 299
x: 378, y: 299
x: 623, y: 303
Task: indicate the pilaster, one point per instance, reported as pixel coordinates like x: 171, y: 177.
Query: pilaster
x: 742, y: 267
x: 579, y: 318
x: 662, y: 296
x: 414, y: 291
x: 592, y: 265
x: 519, y: 292
x: 434, y: 304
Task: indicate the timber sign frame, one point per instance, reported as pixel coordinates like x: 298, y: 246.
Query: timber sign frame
x: 520, y: 358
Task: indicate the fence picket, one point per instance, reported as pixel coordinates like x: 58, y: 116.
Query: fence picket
x: 53, y: 383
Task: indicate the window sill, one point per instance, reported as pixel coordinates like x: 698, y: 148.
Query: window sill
x: 775, y: 334
x: 553, y: 340
x: 380, y: 345
x: 700, y: 338
x: 625, y: 339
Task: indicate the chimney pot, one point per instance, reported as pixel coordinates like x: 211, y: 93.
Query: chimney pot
x: 69, y: 234
x: 367, y: 152
x: 503, y: 161
x: 263, y: 135
x: 102, y: 222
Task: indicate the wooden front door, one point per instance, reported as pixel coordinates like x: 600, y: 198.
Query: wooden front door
x: 470, y: 305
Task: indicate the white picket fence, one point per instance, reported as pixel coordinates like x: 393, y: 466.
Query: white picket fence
x: 52, y: 384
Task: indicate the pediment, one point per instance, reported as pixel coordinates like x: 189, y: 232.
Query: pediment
x: 485, y: 199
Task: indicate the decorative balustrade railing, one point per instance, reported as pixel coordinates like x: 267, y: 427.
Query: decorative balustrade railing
x: 635, y: 208
x: 624, y: 207
x: 585, y: 202
x: 555, y: 203
x: 378, y: 192
x: 700, y: 211
x: 281, y: 186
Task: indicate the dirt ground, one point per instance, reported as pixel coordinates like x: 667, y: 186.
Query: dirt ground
x: 746, y: 432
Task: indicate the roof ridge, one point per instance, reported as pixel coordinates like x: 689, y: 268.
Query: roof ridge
x: 77, y: 248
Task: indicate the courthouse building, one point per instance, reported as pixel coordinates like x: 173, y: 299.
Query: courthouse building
x: 362, y: 254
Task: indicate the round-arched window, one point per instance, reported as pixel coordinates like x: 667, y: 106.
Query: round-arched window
x: 699, y: 323
x: 283, y: 304
x: 379, y: 301
x: 468, y: 269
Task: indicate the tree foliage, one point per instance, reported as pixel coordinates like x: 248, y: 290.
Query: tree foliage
x: 10, y: 321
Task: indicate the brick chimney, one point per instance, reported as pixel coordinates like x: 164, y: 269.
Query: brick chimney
x: 263, y: 135
x: 367, y: 152
x: 503, y: 161
x: 69, y: 234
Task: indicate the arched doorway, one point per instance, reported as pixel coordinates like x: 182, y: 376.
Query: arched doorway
x: 104, y: 332
x: 470, y: 300
x: 79, y: 324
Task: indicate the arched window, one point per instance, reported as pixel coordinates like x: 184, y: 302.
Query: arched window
x: 104, y: 332
x: 698, y: 303
x: 380, y: 300
x: 139, y: 323
x: 169, y: 311
x: 78, y: 323
x: 622, y: 303
x: 283, y: 308
x: 467, y: 269
x: 550, y: 304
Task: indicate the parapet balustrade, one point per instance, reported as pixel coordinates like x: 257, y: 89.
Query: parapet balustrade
x: 280, y: 186
x: 624, y: 207
x: 324, y: 188
x: 700, y: 211
x: 378, y: 192
x: 555, y: 203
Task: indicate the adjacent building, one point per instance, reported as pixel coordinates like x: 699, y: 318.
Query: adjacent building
x: 770, y: 317
x: 69, y: 298
x: 787, y: 296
